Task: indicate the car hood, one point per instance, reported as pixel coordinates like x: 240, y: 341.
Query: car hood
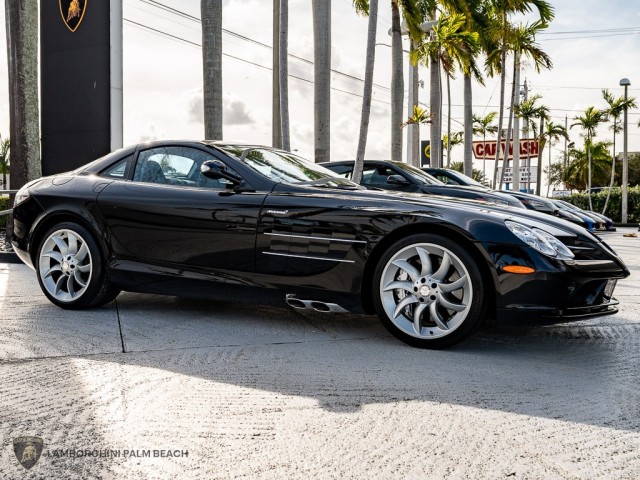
x: 466, y: 213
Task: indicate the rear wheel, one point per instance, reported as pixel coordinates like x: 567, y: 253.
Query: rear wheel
x: 70, y: 268
x: 428, y: 291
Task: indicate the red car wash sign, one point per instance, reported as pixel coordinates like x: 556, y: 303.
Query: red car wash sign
x: 487, y: 150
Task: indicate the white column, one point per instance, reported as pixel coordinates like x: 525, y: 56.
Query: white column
x: 116, y: 75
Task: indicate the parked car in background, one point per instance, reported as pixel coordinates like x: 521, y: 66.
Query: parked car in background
x: 608, y: 222
x: 534, y: 202
x: 575, y: 217
x: 402, y: 177
x: 600, y: 221
x: 453, y: 177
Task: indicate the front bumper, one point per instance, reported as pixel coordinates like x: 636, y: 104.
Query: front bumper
x: 558, y: 289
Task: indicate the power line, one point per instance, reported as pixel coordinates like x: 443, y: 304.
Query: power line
x: 195, y: 19
x: 195, y: 44
x: 591, y: 36
x: 569, y: 32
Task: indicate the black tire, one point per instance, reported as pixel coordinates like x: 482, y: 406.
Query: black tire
x: 76, y: 278
x: 422, y: 291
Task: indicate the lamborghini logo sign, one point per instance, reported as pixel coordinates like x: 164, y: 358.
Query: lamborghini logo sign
x: 72, y: 12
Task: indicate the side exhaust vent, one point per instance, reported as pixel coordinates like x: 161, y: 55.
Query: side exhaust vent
x: 314, y: 305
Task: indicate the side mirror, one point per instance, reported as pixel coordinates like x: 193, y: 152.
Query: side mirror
x: 397, y: 180
x: 216, y: 169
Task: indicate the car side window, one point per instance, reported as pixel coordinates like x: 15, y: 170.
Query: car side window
x: 119, y: 170
x: 176, y: 166
x: 376, y: 175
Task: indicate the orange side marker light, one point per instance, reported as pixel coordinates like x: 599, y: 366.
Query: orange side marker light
x: 518, y: 269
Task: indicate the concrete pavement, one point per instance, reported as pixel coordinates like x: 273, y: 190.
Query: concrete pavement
x: 264, y: 392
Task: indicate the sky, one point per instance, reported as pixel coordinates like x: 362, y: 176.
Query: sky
x: 593, y: 44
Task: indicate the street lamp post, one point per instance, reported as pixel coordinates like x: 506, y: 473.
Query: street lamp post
x: 625, y: 157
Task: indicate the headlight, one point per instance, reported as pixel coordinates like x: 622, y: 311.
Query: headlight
x: 22, y: 195
x: 540, y: 240
x: 560, y: 248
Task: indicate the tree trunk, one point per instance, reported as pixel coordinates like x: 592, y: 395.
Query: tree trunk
x: 322, y: 78
x: 515, y: 101
x: 448, y: 120
x: 368, y: 88
x: 397, y: 84
x: 284, y: 73
x: 505, y: 161
x: 413, y: 130
x: 436, y: 114
x: 548, y: 181
x: 276, y: 131
x: 539, y: 173
x: 613, y: 167
x: 21, y: 18
x: 468, y: 127
x: 589, y: 173
x: 211, y: 13
x: 503, y: 79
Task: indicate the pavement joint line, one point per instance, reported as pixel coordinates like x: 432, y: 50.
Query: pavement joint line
x: 115, y: 302
x: 177, y: 349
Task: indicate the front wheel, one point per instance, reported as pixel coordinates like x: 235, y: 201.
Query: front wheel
x: 70, y: 269
x: 428, y: 291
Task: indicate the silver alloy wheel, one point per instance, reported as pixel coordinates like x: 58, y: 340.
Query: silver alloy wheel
x: 425, y: 290
x: 65, y: 265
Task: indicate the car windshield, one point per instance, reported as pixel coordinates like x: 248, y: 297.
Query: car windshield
x: 464, y: 179
x: 286, y: 167
x: 418, y: 175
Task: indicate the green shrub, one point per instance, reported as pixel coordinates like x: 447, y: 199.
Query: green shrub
x: 4, y: 205
x: 614, y: 207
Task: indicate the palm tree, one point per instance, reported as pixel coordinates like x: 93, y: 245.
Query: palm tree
x: 22, y: 45
x: 476, y: 21
x: 589, y: 121
x: 592, y: 160
x: 451, y: 46
x: 449, y: 142
x: 523, y: 43
x: 211, y: 14
x: 283, y: 52
x: 370, y: 8
x: 322, y: 78
x: 529, y: 110
x: 616, y: 107
x: 551, y: 134
x: 498, y: 32
x: 482, y: 126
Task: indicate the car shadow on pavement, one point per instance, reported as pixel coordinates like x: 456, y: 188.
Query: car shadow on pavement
x: 585, y: 373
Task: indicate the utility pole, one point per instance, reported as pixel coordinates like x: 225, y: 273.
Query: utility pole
x: 625, y: 153
x: 516, y: 126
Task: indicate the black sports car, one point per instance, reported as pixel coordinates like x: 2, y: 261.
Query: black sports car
x: 401, y: 177
x: 257, y: 224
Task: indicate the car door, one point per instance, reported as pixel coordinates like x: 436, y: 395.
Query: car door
x: 168, y: 212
